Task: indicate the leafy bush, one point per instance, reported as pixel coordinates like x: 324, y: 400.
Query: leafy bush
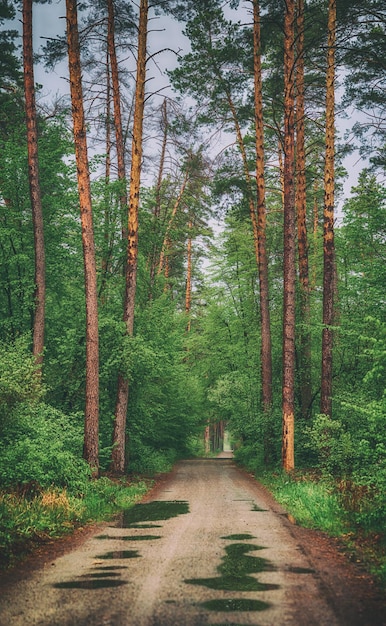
x: 18, y: 379
x: 333, y: 444
x: 148, y: 461
x: 43, y: 446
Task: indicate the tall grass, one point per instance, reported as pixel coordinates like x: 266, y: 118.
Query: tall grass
x: 313, y: 504
x: 28, y: 521
x: 326, y: 505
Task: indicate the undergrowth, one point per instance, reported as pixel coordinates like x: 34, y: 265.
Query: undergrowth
x: 325, y: 504
x: 33, y: 518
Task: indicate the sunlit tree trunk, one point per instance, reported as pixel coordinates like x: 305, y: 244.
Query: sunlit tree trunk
x: 328, y: 228
x: 34, y: 185
x: 301, y: 205
x: 266, y: 346
x: 288, y: 453
x: 92, y: 341
x: 119, y: 431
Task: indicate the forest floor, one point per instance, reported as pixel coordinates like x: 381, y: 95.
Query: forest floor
x: 208, y: 545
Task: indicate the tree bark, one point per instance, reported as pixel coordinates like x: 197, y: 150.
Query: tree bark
x: 34, y: 186
x: 157, y: 206
x: 188, y: 292
x: 119, y: 141
x: 288, y: 403
x: 91, y: 425
x: 106, y: 252
x: 301, y: 205
x: 328, y: 221
x: 262, y: 258
x: 247, y: 175
x: 119, y: 431
x: 176, y: 206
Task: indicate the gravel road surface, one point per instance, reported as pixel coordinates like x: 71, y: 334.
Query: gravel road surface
x: 208, y: 546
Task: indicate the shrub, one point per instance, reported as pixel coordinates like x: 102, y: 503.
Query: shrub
x: 43, y: 446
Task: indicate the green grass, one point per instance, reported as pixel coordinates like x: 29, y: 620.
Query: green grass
x: 317, y: 503
x: 26, y: 522
x: 312, y: 504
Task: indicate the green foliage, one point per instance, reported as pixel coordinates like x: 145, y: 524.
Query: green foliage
x: 150, y: 461
x: 313, y: 504
x: 333, y: 444
x: 43, y: 446
x: 28, y: 522
x: 18, y: 379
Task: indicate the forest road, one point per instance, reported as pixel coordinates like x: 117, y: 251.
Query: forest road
x: 208, y: 546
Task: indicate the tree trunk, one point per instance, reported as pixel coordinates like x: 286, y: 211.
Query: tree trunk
x: 157, y: 206
x: 315, y: 235
x: 301, y: 205
x: 247, y: 175
x: 266, y: 344
x: 34, y: 185
x: 92, y: 343
x: 188, y: 293
x: 106, y: 252
x: 328, y: 228
x: 166, y: 239
x: 120, y: 147
x: 288, y: 452
x: 119, y: 432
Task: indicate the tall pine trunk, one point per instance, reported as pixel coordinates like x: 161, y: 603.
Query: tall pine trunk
x: 288, y: 396
x: 119, y: 140
x: 266, y: 344
x: 34, y: 186
x: 328, y: 228
x: 91, y: 424
x: 188, y: 290
x: 247, y: 175
x: 106, y: 250
x: 301, y: 205
x: 166, y: 240
x: 119, y: 431
x: 158, y: 200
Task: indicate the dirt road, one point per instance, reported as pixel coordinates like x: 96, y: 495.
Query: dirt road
x: 207, y: 547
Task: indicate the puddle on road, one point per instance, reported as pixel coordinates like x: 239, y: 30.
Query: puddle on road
x: 300, y: 570
x: 155, y: 511
x: 240, y: 537
x: 237, y: 604
x: 130, y: 537
x: 109, y: 568
x: 101, y: 575
x: 104, y: 583
x: 119, y: 554
x: 234, y: 570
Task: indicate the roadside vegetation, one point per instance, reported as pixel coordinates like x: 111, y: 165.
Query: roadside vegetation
x: 33, y: 516
x: 353, y: 512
